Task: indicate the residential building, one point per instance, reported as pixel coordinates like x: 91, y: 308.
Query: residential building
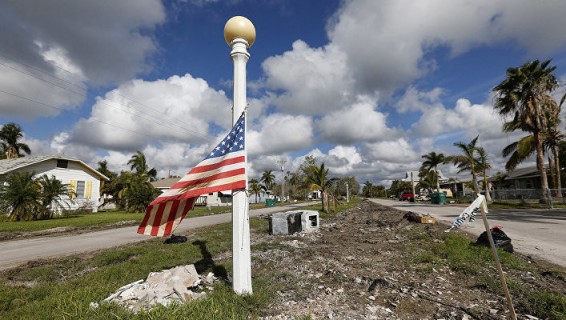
x: 83, y: 180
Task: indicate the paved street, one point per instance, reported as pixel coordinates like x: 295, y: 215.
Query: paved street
x: 16, y: 252
x: 534, y: 232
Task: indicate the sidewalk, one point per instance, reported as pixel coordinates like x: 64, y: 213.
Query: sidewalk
x: 534, y: 232
x: 16, y: 252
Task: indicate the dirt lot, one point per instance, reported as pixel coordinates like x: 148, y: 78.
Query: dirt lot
x: 371, y: 263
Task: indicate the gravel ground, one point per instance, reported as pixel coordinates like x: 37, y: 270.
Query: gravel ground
x: 363, y: 264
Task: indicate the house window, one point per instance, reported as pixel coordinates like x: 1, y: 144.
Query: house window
x: 62, y: 163
x: 80, y: 189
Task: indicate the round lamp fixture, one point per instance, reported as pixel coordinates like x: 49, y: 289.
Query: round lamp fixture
x: 239, y: 27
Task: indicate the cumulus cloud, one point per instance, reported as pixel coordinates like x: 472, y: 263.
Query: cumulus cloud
x: 358, y: 123
x: 278, y: 133
x: 396, y: 151
x: 313, y: 80
x: 140, y: 112
x: 52, y: 49
x: 386, y: 42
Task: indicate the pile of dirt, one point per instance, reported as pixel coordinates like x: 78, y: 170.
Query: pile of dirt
x: 359, y: 266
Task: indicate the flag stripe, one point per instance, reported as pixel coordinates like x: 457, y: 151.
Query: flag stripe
x: 217, y: 165
x: 157, y: 218
x: 193, y: 176
x: 234, y: 183
x: 167, y: 226
x: 195, y: 189
x: 189, y: 185
x: 223, y: 169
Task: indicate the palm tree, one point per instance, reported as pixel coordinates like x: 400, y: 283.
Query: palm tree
x: 9, y: 136
x: 484, y: 166
x: 525, y: 96
x: 138, y: 164
x: 432, y: 160
x: 317, y: 177
x: 268, y: 178
x: 52, y: 194
x: 20, y: 196
x: 255, y: 188
x: 467, y: 160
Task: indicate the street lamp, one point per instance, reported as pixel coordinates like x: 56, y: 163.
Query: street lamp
x: 239, y: 34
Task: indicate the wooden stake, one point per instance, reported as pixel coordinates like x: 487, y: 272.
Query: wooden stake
x: 483, y: 209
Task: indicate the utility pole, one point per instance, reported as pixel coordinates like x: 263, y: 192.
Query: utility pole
x: 239, y: 33
x: 347, y: 193
x: 282, y: 163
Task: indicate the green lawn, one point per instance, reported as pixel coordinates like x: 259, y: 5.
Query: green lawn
x: 63, y: 288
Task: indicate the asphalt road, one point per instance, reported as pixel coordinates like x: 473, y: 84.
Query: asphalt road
x: 539, y: 233
x: 16, y: 252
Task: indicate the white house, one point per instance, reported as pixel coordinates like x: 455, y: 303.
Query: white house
x: 84, y: 181
x: 213, y: 199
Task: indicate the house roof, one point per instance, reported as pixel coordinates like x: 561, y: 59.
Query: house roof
x: 164, y: 183
x: 9, y: 165
x: 526, y: 172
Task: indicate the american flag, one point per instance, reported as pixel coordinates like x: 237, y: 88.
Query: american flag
x: 223, y: 169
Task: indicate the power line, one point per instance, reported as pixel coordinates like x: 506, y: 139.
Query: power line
x: 153, y: 119
x: 59, y: 108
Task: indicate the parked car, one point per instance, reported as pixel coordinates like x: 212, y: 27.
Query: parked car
x: 409, y: 196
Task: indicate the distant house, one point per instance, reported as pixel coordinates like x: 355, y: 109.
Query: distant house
x: 525, y: 178
x: 82, y: 179
x: 213, y: 199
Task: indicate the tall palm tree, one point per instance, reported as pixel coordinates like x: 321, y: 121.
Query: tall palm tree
x: 484, y: 166
x: 525, y: 96
x: 268, y: 179
x: 138, y: 164
x: 432, y: 160
x: 255, y: 188
x: 317, y: 177
x: 467, y: 160
x: 9, y: 136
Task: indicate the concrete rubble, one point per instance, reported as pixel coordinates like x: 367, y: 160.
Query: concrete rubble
x: 180, y: 284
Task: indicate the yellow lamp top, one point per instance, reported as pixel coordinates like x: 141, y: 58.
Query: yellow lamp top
x: 239, y: 27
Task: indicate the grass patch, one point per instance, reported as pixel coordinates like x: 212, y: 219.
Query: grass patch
x: 63, y: 288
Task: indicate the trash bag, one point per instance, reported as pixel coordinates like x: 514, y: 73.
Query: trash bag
x: 500, y: 239
x: 176, y: 239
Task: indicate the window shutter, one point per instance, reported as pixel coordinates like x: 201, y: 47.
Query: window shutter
x: 88, y: 189
x: 72, y: 188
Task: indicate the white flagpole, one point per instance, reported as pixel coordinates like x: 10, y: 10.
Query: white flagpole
x: 239, y: 33
x: 483, y: 209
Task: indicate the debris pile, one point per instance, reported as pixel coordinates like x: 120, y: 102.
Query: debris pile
x: 179, y: 284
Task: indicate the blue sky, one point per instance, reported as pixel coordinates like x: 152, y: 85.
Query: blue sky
x: 366, y: 86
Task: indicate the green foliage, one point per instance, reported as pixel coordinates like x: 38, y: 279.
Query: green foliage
x: 20, y: 196
x: 340, y: 186
x: 268, y: 179
x: 398, y: 186
x: 133, y: 192
x: 23, y: 197
x: 431, y: 162
x: 371, y: 191
x: 9, y: 145
x: 63, y: 288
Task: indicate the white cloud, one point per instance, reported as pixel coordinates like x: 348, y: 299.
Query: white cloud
x: 278, y: 133
x: 386, y: 42
x: 139, y: 112
x: 50, y: 51
x: 395, y: 151
x: 314, y: 80
x: 358, y: 123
